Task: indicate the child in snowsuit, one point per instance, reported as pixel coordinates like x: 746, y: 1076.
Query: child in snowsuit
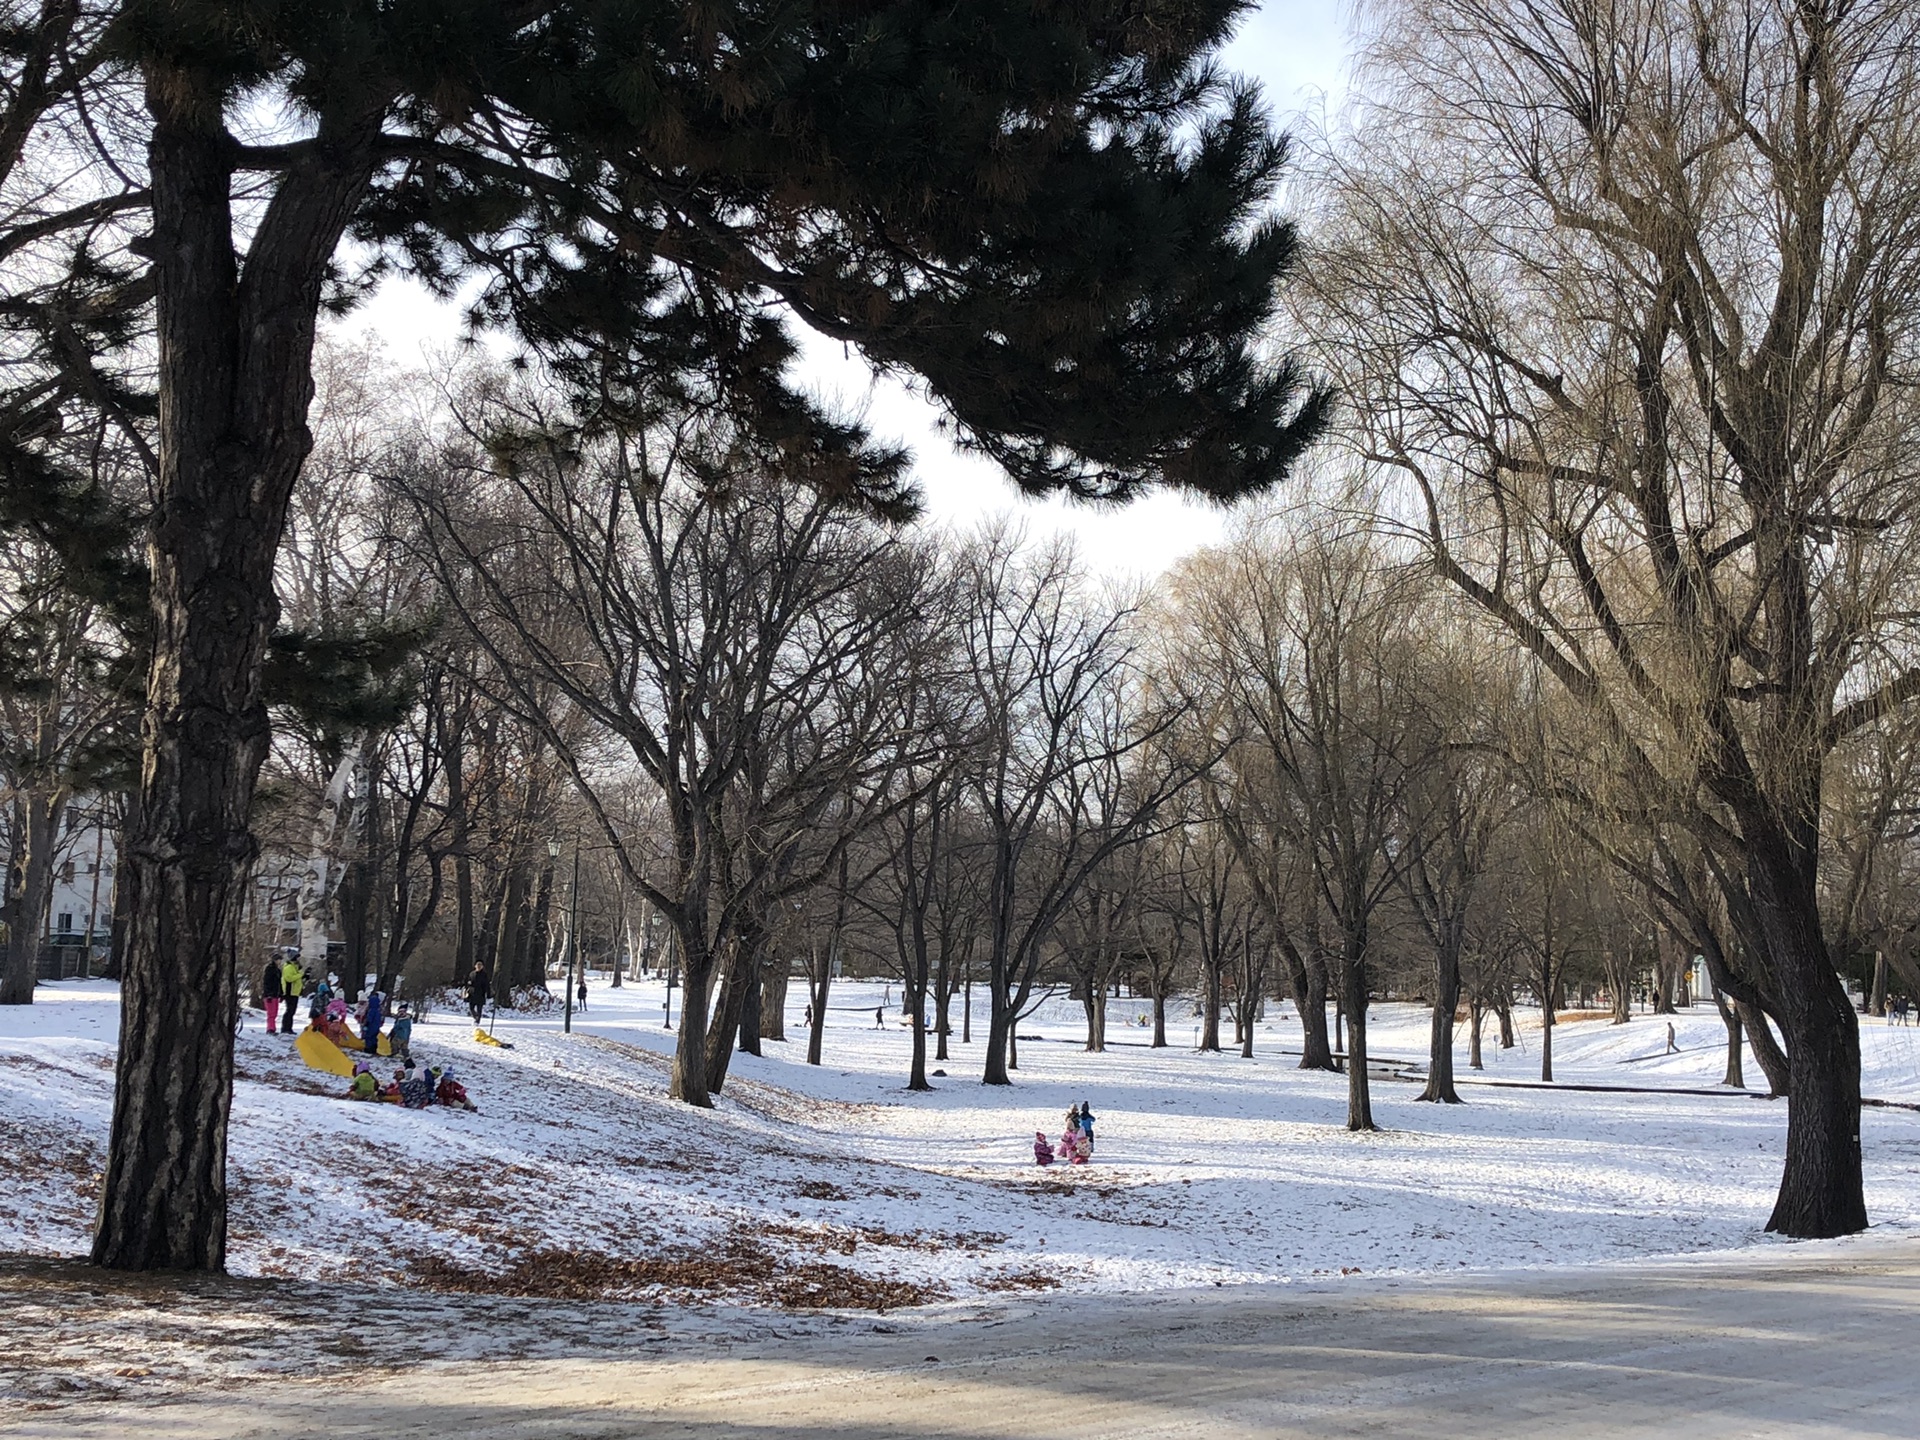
x: 364, y: 1086
x: 370, y: 1024
x: 416, y: 1089
x: 1042, y: 1151
x: 400, y: 1037
x: 451, y: 1092
x: 1086, y: 1125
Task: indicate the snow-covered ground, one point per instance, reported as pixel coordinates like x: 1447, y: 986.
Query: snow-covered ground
x: 834, y: 1187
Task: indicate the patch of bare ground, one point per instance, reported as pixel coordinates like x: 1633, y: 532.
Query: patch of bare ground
x: 54, y: 1152
x: 1006, y: 1281
x: 735, y: 1269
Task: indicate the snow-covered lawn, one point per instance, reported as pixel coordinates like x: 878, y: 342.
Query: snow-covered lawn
x: 835, y: 1187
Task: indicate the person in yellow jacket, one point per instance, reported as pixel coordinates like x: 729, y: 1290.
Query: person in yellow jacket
x: 292, y: 981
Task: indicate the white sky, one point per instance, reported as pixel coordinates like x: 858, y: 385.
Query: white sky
x: 1297, y: 49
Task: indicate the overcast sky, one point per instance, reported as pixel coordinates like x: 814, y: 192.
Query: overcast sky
x: 1297, y: 49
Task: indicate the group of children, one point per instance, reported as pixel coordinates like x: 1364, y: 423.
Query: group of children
x: 331, y: 1021
x: 414, y: 1086
x: 1076, y: 1142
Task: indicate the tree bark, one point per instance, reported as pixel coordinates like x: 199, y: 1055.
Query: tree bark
x: 1446, y: 999
x: 37, y: 816
x: 1353, y: 984
x: 235, y: 379
x: 1766, y: 1049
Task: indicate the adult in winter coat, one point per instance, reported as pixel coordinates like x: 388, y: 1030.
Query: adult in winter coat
x: 477, y: 992
x: 293, y: 982
x: 370, y: 1026
x: 270, y: 993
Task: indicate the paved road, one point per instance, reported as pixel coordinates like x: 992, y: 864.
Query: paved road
x: 1823, y: 1341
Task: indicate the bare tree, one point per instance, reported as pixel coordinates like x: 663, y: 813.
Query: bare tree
x: 1628, y: 297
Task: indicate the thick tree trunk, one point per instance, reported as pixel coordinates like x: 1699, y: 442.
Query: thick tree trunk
x: 1446, y: 999
x: 235, y: 379
x: 1159, y: 1019
x: 689, y: 1076
x: 1503, y: 1012
x: 1822, y: 1189
x: 1877, y: 1001
x: 1310, y: 999
x: 999, y: 1041
x: 1475, y: 1013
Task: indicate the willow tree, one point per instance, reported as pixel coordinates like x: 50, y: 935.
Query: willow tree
x: 1628, y: 294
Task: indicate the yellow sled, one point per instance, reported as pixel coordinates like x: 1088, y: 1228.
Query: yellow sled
x: 482, y: 1038
x: 321, y: 1053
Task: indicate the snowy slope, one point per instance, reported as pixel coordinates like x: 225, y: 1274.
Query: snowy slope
x: 833, y: 1186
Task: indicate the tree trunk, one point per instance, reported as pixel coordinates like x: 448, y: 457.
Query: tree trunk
x: 1503, y: 1011
x: 1446, y: 999
x: 1310, y: 999
x: 1159, y: 1019
x: 773, y: 1001
x: 739, y: 976
x: 1822, y: 1190
x: 1475, y: 1011
x: 1546, y: 1039
x: 235, y: 379
x: 1766, y: 1049
x: 1353, y: 984
x: 751, y: 987
x: 37, y: 826
x: 1877, y: 1001
x: 999, y: 1039
x: 1210, y: 1004
x: 822, y: 981
x: 689, y: 1081
x: 1735, y: 1076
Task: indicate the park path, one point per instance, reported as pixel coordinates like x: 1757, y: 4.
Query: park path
x: 1807, y: 1341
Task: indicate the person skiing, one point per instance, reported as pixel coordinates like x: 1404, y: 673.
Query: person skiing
x: 293, y: 981
x: 270, y: 993
x: 477, y: 992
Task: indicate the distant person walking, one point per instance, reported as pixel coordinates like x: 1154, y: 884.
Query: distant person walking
x: 293, y: 981
x: 477, y: 992
x: 580, y: 997
x: 1673, y: 1046
x: 270, y: 993
x: 879, y: 1017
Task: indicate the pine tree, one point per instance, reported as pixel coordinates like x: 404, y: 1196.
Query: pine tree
x: 1053, y: 215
